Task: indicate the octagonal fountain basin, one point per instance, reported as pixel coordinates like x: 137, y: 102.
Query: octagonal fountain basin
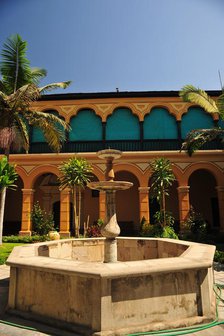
x: 156, y: 284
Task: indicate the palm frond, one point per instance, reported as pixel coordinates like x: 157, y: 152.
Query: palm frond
x: 50, y: 126
x: 14, y: 67
x: 53, y: 135
x: 21, y: 99
x: 197, y: 138
x: 3, y: 97
x: 53, y: 86
x: 22, y: 134
x: 37, y: 74
x: 34, y: 117
x: 2, y: 86
x: 191, y: 94
x: 220, y: 103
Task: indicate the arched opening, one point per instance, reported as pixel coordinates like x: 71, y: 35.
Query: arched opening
x: 90, y: 204
x: 127, y: 205
x: 86, y: 126
x: 47, y: 193
x: 160, y: 124
x: 195, y: 118
x: 122, y: 125
x: 13, y: 210
x: 56, y: 215
x: 203, y: 196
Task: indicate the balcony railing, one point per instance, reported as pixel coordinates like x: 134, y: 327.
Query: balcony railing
x: 123, y: 145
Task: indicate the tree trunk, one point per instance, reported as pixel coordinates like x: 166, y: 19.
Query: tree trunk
x: 164, y: 207
x: 79, y: 214
x: 2, y: 210
x: 74, y: 225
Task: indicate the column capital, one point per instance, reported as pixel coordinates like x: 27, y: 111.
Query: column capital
x: 220, y: 188
x: 28, y: 191
x: 143, y: 189
x: 183, y: 189
x: 65, y: 191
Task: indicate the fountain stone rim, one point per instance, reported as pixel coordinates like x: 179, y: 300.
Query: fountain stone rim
x: 109, y: 154
x: 110, y: 185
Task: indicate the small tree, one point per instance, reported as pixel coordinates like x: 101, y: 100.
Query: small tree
x: 162, y: 178
x: 8, y: 176
x: 75, y: 174
x: 41, y: 221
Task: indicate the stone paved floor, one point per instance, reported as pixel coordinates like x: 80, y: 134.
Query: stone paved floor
x: 38, y: 329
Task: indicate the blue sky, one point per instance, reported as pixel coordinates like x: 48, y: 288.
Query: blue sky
x: 135, y: 45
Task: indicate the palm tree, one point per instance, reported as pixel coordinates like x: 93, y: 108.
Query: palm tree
x: 162, y: 178
x: 8, y: 176
x: 18, y: 89
x: 15, y: 68
x: 197, y: 138
x: 75, y: 174
x: 17, y: 114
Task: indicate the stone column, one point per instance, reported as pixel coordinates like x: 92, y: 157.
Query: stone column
x: 144, y: 203
x: 65, y: 213
x: 26, y: 226
x: 110, y: 229
x: 184, y: 204
x: 220, y: 192
x: 102, y: 200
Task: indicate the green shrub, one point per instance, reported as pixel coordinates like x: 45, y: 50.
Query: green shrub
x: 195, y: 226
x: 168, y: 232
x: 41, y: 221
x: 158, y: 231
x: 219, y: 257
x: 25, y: 239
x: 159, y: 218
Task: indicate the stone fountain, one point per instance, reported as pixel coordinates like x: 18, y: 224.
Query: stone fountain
x: 77, y: 284
x: 110, y: 229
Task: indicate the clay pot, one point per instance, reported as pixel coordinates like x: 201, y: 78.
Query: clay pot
x: 53, y: 235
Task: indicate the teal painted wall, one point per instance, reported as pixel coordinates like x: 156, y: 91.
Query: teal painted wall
x: 159, y: 124
x: 195, y: 118
x: 122, y: 125
x: 221, y: 123
x: 37, y: 134
x: 86, y: 125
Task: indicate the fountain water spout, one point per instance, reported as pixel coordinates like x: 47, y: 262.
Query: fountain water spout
x: 110, y: 229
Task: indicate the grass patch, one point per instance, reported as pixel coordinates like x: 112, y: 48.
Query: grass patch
x: 5, y: 250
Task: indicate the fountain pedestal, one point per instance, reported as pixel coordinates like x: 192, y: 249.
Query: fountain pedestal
x: 110, y: 229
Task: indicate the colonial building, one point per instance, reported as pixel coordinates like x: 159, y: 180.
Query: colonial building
x: 144, y: 126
